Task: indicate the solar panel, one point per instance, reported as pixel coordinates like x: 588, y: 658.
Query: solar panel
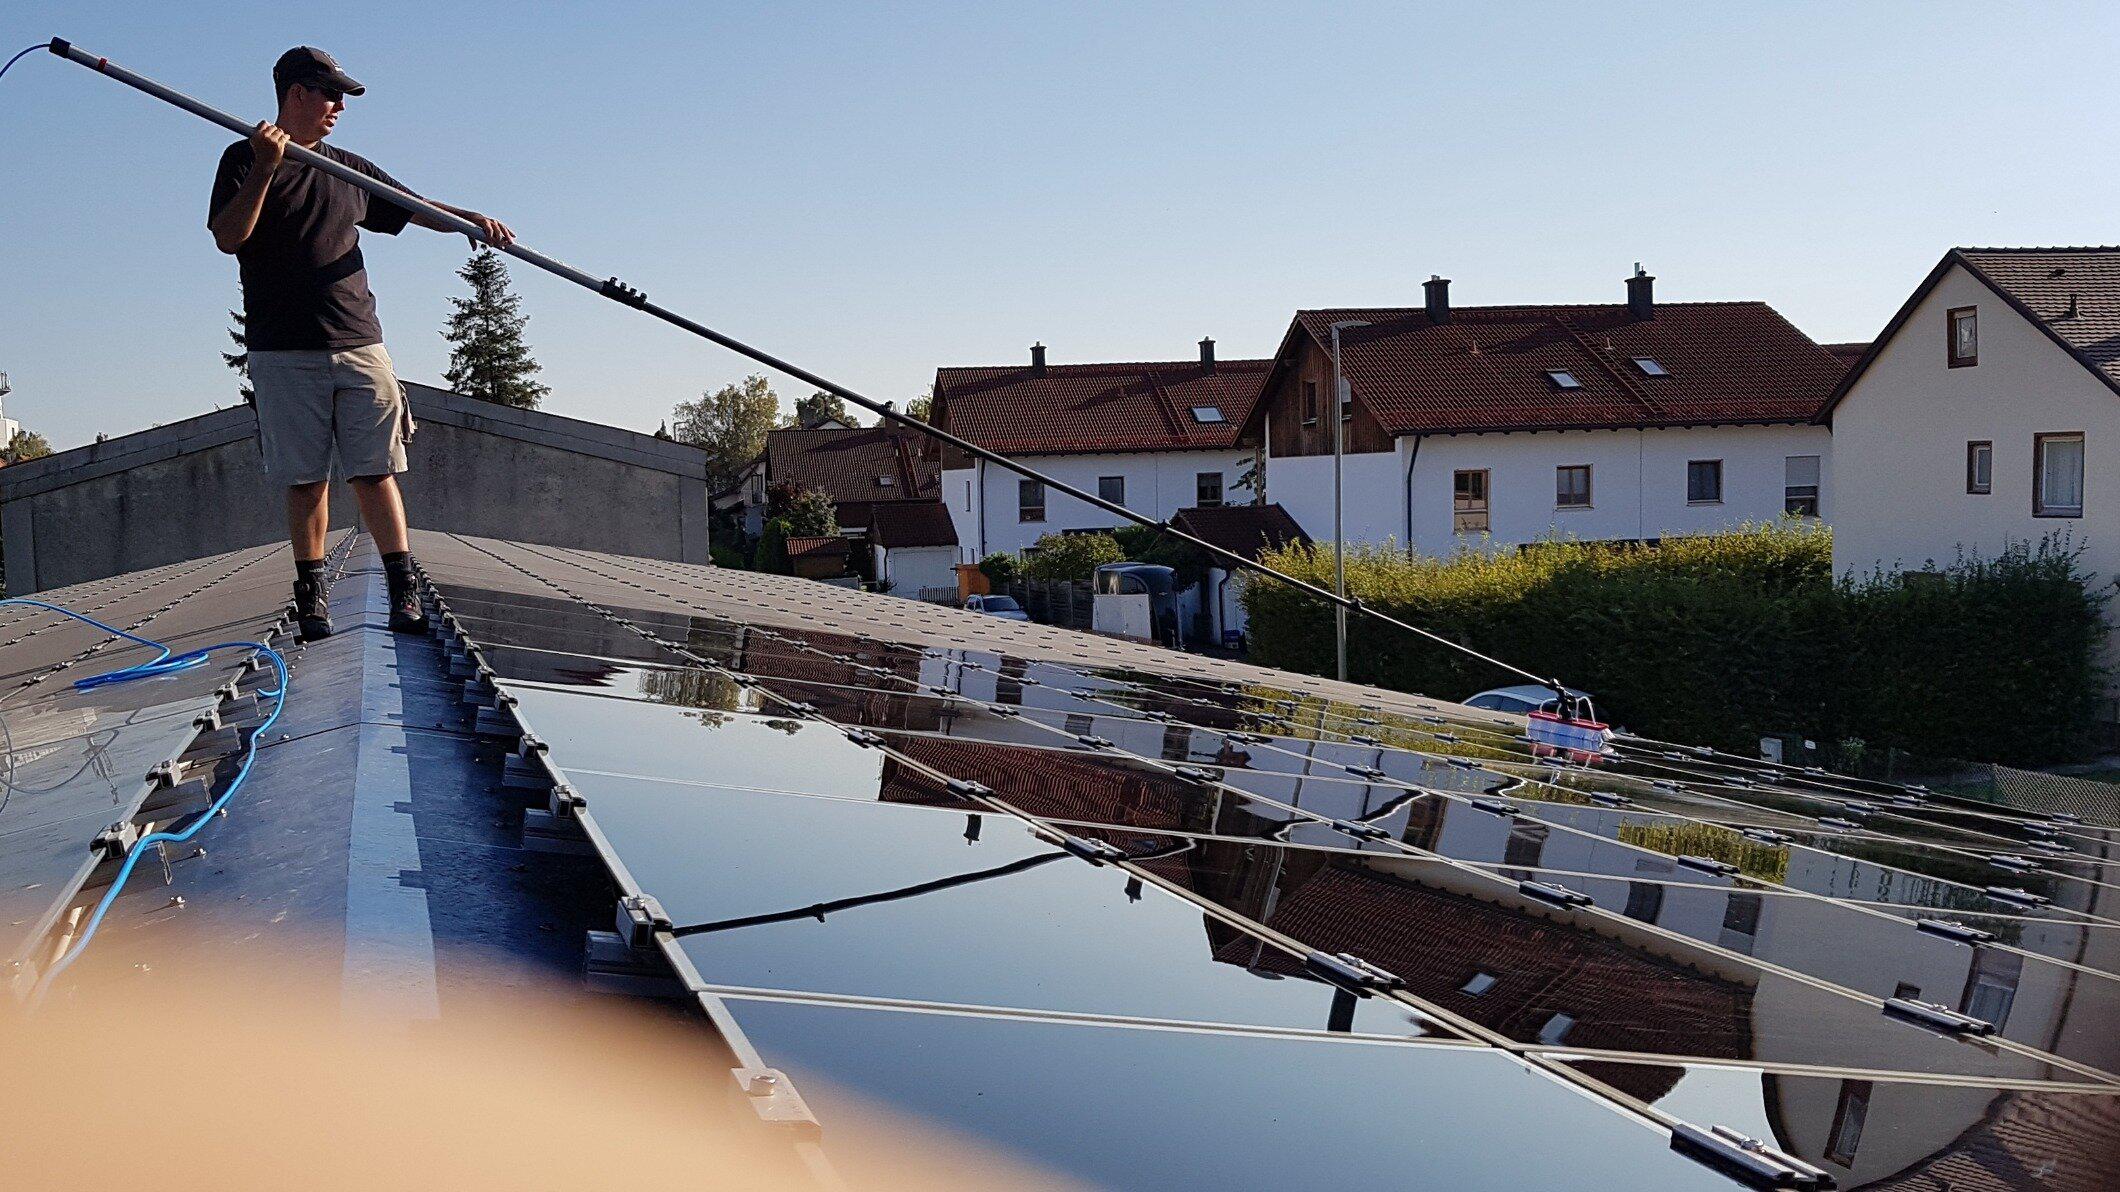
x: 75, y: 762
x: 1214, y: 1110
x: 827, y: 896
x: 1667, y: 907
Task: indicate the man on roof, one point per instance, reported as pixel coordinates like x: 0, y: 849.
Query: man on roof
x: 324, y: 387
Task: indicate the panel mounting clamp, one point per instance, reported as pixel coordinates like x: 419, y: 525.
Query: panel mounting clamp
x: 1555, y: 894
x: 639, y: 918
x: 1747, y: 1158
x: 1096, y: 852
x: 1351, y: 972
x: 772, y: 1096
x: 1937, y: 1017
x: 113, y: 842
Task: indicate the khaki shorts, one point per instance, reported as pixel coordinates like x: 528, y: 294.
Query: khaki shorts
x: 320, y: 408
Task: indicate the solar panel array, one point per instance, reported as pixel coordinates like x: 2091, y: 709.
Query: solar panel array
x: 1145, y: 917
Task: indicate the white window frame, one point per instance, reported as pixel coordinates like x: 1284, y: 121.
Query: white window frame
x: 2040, y: 443
x: 1979, y: 467
x: 1792, y: 492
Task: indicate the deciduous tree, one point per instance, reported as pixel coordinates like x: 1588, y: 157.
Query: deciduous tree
x: 729, y: 424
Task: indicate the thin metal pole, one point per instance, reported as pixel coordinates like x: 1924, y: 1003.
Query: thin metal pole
x: 619, y: 291
x: 1339, y: 536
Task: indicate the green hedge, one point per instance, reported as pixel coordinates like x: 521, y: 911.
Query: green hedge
x: 1723, y: 638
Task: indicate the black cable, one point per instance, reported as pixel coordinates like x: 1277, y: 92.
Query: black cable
x: 819, y: 910
x: 42, y: 45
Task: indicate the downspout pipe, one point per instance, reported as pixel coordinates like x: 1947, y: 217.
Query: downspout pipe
x: 1412, y: 457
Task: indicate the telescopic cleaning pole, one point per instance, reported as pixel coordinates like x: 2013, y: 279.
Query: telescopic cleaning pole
x: 619, y: 291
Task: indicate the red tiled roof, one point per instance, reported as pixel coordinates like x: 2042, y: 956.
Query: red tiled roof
x: 2070, y: 1140
x: 1079, y: 408
x: 911, y: 523
x: 823, y: 546
x: 1045, y: 783
x: 846, y: 464
x: 1620, y: 999
x: 1241, y: 529
x: 1847, y: 353
x: 1486, y: 368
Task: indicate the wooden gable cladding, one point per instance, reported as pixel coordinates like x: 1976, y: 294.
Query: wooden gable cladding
x: 1283, y: 401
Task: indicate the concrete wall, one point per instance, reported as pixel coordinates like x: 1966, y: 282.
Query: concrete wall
x: 1637, y: 484
x: 1158, y: 484
x: 195, y: 488
x: 1901, y: 436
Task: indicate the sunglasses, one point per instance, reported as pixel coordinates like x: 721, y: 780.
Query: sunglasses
x: 332, y: 94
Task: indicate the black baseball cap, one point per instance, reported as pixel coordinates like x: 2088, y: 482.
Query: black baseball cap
x: 307, y: 64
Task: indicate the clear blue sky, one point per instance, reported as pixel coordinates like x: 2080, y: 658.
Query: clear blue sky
x: 878, y: 190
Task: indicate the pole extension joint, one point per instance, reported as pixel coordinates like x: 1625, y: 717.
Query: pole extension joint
x: 618, y: 291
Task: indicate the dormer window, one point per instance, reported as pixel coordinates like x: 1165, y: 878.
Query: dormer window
x: 1651, y: 367
x: 1207, y: 415
x: 1965, y: 336
x: 1563, y: 379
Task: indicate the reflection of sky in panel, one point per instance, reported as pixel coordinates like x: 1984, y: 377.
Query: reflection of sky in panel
x: 1047, y: 931
x: 1189, y: 1110
x: 632, y: 737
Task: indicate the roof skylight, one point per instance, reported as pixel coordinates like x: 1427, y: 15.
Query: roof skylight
x: 1651, y: 367
x: 1207, y: 414
x: 1563, y: 379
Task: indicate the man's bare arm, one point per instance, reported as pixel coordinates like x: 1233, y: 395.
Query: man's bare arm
x: 497, y: 232
x: 238, y: 217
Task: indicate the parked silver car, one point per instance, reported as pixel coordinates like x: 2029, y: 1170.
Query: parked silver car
x: 1004, y: 607
x: 1528, y: 697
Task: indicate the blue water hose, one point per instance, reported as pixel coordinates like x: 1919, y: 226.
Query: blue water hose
x: 166, y: 662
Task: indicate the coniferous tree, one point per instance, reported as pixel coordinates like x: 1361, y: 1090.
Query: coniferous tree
x: 239, y: 360
x: 487, y: 356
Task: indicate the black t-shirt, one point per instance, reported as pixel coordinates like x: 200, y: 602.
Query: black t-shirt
x: 304, y: 284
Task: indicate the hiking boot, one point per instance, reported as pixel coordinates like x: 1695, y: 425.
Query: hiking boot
x: 407, y: 614
x: 312, y: 612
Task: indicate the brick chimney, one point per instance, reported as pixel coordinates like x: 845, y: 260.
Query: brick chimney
x: 1038, y: 360
x: 1437, y: 288
x: 1641, y: 297
x: 1207, y: 355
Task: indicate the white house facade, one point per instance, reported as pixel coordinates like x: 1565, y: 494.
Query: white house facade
x: 1155, y: 437
x: 1494, y: 426
x: 1988, y: 413
x: 996, y: 510
x: 1634, y: 484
